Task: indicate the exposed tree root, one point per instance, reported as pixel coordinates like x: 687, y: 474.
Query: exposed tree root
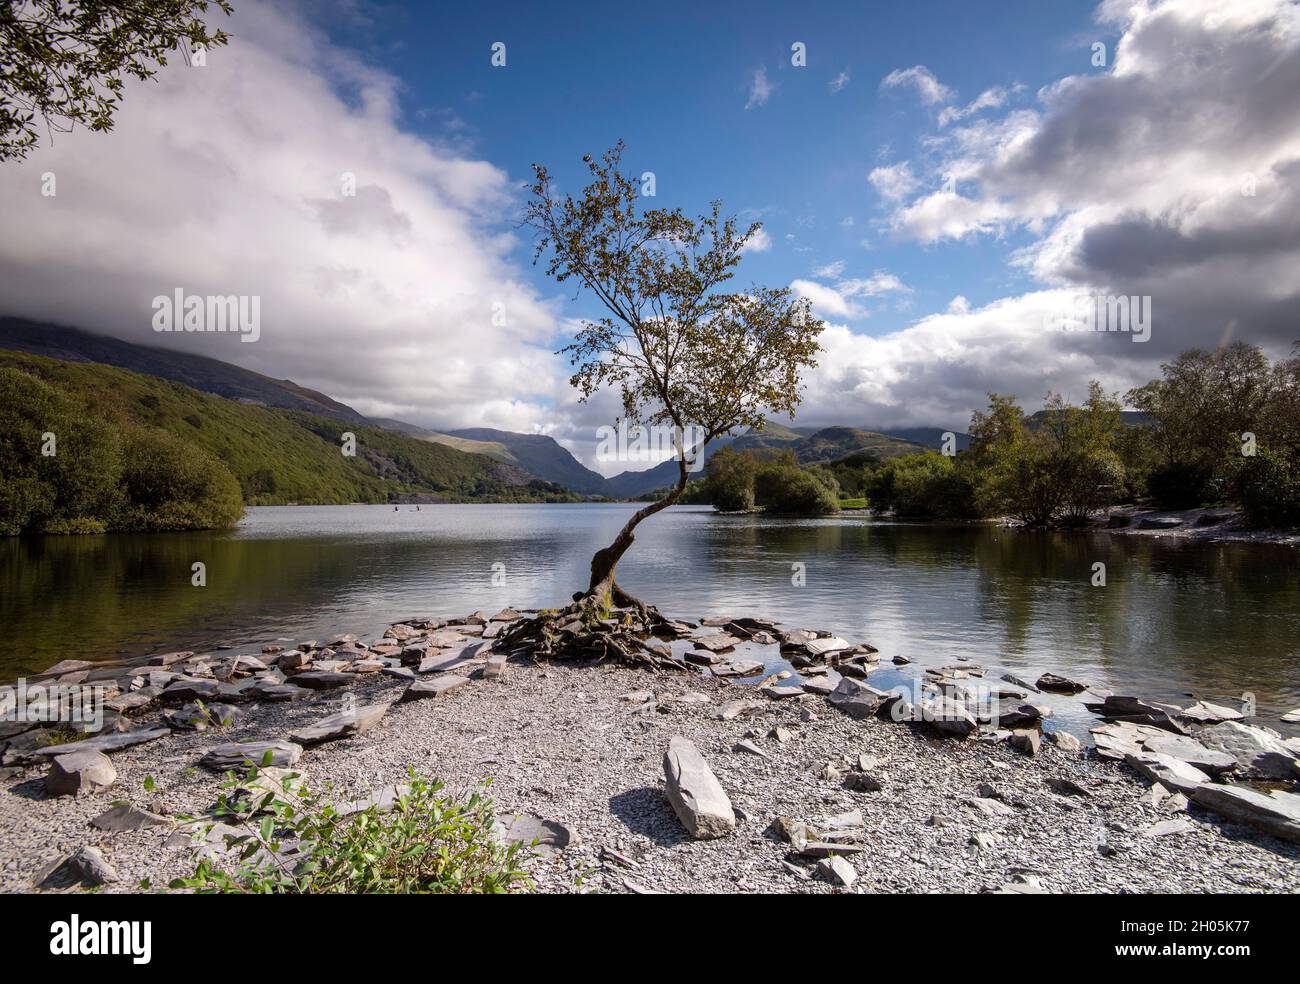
x: 598, y: 626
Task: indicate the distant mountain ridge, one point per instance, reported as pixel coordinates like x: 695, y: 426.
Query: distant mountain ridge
x: 537, y: 455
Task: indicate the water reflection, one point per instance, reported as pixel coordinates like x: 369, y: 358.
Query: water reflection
x: 1213, y: 620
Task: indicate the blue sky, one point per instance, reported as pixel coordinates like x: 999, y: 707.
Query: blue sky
x: 1171, y: 172
x: 673, y: 80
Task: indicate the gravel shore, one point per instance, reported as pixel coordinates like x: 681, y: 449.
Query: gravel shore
x: 562, y: 743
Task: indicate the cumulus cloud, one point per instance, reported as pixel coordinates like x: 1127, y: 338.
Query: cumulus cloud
x: 760, y: 89
x: 400, y: 300
x: 759, y: 242
x: 894, y: 181
x: 929, y: 88
x: 988, y: 99
x: 840, y: 299
x: 1175, y: 174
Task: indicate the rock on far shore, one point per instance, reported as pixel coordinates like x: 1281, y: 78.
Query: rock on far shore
x: 698, y: 798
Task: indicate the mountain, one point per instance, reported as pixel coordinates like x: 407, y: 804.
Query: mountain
x: 541, y: 455
x: 287, y: 456
x: 810, y: 446
x: 196, y: 371
x: 523, y: 456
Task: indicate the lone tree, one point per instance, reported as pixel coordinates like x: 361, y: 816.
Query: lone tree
x: 67, y: 62
x: 682, y: 352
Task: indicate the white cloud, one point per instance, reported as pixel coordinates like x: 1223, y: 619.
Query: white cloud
x: 929, y: 88
x: 988, y: 99
x: 895, y: 181
x: 837, y: 300
x: 1132, y: 180
x: 760, y: 89
x: 228, y: 179
x: 838, y: 83
x: 759, y: 242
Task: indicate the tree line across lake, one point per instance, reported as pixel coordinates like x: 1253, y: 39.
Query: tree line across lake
x: 1217, y: 428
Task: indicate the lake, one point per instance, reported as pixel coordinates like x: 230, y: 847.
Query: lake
x: 1174, y: 619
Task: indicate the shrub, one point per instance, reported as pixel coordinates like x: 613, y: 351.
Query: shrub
x: 172, y: 485
x: 297, y: 842
x: 788, y: 489
x: 1179, y: 484
x: 1268, y: 488
x: 929, y: 486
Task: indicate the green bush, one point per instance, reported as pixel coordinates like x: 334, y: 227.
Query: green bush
x: 172, y: 485
x: 924, y: 486
x: 1268, y: 488
x: 788, y: 489
x: 63, y: 490
x: 297, y: 842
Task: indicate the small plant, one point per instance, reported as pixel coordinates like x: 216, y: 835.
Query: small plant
x: 300, y: 842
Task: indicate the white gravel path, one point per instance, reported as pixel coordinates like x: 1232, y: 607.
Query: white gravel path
x: 559, y: 742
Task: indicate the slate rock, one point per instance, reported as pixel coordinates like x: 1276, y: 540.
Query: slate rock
x: 106, y: 742
x: 238, y: 755
x: 1057, y: 684
x: 1174, y: 774
x: 79, y: 774
x: 125, y: 817
x: 856, y: 699
x: 837, y: 871
x: 1192, y: 752
x: 696, y: 796
x: 323, y: 679
x: 341, y: 725
x: 437, y: 687
x: 1275, y: 812
x: 1257, y: 751
x: 85, y: 866
x: 544, y: 837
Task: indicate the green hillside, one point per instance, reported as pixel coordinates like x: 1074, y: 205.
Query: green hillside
x: 285, y: 456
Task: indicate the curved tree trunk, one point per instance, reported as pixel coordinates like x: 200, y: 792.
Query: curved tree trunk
x: 604, y: 562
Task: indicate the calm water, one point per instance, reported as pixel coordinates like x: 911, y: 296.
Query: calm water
x: 1175, y: 619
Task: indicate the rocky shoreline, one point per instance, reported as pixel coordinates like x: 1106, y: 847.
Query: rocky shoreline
x: 671, y: 781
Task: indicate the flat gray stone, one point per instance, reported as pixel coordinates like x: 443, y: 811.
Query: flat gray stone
x: 125, y: 817
x: 1275, y: 812
x: 837, y: 871
x: 1174, y: 774
x: 696, y: 796
x: 545, y: 837
x: 737, y: 667
x: 439, y: 686
x: 79, y: 774
x: 1257, y: 752
x: 85, y: 866
x: 1164, y: 828
x: 949, y: 717
x: 323, y: 679
x: 237, y: 755
x: 1192, y: 752
x: 856, y: 699
x: 68, y: 666
x: 716, y: 643
x: 341, y: 725
x: 106, y: 742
